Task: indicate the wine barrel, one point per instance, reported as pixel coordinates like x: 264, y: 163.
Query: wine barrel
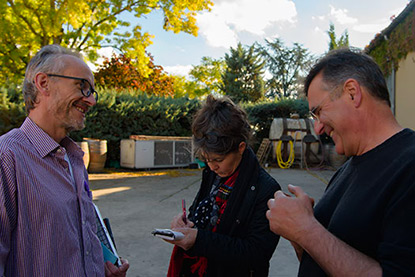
x: 97, y: 154
x: 84, y: 146
x: 297, y: 128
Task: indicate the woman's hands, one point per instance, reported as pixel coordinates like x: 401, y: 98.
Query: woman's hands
x: 187, y: 229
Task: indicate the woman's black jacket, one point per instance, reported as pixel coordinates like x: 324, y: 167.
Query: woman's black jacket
x: 243, y: 243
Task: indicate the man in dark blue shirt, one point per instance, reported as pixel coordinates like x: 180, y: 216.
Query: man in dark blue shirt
x: 364, y: 225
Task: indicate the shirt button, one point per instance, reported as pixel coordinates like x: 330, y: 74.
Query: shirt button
x: 83, y: 222
x: 87, y: 253
x: 253, y: 188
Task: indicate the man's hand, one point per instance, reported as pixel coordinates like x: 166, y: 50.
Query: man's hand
x: 112, y: 270
x: 291, y: 217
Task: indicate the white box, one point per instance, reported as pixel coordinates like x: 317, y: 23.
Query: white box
x: 144, y: 154
x: 156, y: 153
x: 127, y: 153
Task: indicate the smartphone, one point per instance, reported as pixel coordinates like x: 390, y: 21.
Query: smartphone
x: 167, y: 234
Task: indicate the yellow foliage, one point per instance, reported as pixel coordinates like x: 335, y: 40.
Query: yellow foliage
x: 27, y: 25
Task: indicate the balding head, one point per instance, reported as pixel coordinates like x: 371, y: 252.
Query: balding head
x: 47, y: 60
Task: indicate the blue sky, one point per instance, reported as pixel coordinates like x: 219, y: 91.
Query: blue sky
x: 247, y: 21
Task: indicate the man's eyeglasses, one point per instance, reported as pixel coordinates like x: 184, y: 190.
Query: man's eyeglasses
x: 86, y: 87
x: 315, y: 112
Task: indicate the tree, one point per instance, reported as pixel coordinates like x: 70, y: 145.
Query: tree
x: 286, y: 65
x: 187, y: 88
x: 335, y: 43
x: 27, y: 25
x: 208, y: 75
x: 242, y: 79
x: 120, y: 72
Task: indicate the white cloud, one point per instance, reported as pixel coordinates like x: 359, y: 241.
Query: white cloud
x: 317, y: 40
x: 216, y: 32
x: 371, y: 28
x: 362, y: 34
x: 103, y: 53
x: 221, y: 26
x: 320, y: 17
x: 182, y: 70
x: 341, y: 16
x: 106, y: 52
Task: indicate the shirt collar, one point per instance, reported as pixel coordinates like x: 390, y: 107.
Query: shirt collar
x: 41, y: 141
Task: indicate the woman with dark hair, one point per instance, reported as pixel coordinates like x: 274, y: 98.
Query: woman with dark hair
x: 226, y: 233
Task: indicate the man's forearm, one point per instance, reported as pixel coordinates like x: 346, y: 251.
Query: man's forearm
x: 335, y: 256
x: 298, y: 250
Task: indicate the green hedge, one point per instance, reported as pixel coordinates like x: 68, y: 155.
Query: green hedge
x: 12, y: 111
x: 121, y: 114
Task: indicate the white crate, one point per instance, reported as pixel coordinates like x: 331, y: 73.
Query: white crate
x: 156, y: 153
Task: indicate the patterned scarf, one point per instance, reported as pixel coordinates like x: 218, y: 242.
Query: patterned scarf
x: 207, y: 216
x: 210, y: 209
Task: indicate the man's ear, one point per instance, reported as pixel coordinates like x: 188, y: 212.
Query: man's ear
x: 42, y: 82
x: 353, y: 90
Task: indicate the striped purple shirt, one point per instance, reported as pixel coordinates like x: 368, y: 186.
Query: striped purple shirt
x: 47, y: 226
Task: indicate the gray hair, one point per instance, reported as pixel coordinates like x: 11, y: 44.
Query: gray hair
x: 339, y: 65
x: 47, y: 60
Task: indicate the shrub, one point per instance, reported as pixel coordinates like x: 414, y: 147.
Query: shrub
x: 120, y: 73
x: 12, y: 111
x: 262, y: 114
x: 118, y: 115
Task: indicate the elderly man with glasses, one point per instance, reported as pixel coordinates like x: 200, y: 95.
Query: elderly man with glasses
x: 364, y: 224
x: 47, y: 218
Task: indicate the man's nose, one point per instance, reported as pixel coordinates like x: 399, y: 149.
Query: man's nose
x: 318, y: 127
x: 91, y: 100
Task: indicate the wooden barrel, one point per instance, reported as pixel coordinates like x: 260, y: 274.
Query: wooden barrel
x: 85, y: 148
x: 297, y: 128
x: 97, y: 154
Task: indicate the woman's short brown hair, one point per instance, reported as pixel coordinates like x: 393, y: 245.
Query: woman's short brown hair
x: 219, y: 127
